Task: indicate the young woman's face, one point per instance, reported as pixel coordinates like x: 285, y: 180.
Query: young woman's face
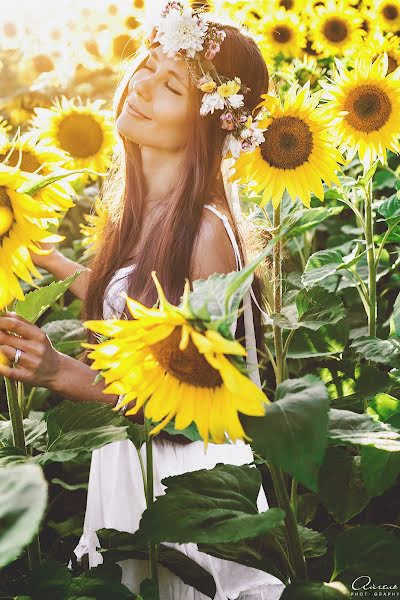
x: 156, y: 110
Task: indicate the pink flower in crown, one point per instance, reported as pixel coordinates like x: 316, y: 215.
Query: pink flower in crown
x: 212, y: 50
x: 227, y: 121
x: 171, y: 6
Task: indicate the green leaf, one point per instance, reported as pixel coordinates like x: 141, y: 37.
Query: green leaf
x: 66, y: 335
x: 346, y: 427
x: 35, y: 432
x: 23, y: 498
x: 76, y: 429
x: 191, y: 432
x: 380, y: 469
x: 259, y: 553
x: 211, y: 505
x: 315, y: 591
x: 304, y: 220
x: 10, y: 456
x: 320, y: 265
x: 384, y: 405
x: 317, y: 307
x: 293, y: 432
x: 38, y: 301
x: 313, y: 542
x: 390, y: 209
x: 102, y: 582
x: 386, y: 352
x: 367, y: 551
x: 118, y: 545
x: 328, y: 340
x: 366, y: 177
x: 40, y: 182
x: 50, y: 580
x: 342, y: 471
x: 218, y: 297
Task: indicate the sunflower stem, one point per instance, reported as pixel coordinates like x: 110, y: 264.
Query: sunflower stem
x: 150, y: 497
x: 292, y: 533
x: 17, y: 424
x: 369, y: 234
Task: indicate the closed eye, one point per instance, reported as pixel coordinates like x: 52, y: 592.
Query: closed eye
x: 172, y: 89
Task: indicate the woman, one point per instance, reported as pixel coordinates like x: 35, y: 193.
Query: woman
x: 172, y: 216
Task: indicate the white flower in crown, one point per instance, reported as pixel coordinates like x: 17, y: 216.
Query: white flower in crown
x: 210, y: 103
x: 179, y: 29
x: 232, y: 145
x: 236, y: 100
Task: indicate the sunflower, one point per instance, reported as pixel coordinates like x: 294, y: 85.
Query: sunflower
x: 93, y: 229
x: 176, y: 367
x: 295, y: 5
x: 23, y: 224
x: 298, y: 152
x: 84, y: 131
x: 282, y: 32
x: 388, y: 14
x: 336, y: 29
x: 35, y: 156
x: 379, y: 44
x: 364, y: 107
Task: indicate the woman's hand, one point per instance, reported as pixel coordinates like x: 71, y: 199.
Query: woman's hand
x: 43, y: 261
x: 39, y: 363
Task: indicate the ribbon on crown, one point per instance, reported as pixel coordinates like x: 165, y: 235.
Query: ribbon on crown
x: 184, y: 32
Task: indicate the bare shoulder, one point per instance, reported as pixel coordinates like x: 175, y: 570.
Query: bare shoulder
x: 213, y: 251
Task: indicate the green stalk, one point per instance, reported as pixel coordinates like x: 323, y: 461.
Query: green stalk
x: 369, y: 235
x: 153, y: 550
x: 292, y: 533
x: 17, y: 424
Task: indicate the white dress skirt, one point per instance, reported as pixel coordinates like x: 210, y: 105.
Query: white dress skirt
x: 116, y: 498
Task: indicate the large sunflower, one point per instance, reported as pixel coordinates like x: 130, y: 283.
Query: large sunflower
x: 298, y: 152
x: 282, y: 32
x: 23, y: 224
x: 364, y: 107
x: 176, y: 368
x: 336, y: 29
x: 388, y: 14
x: 85, y: 131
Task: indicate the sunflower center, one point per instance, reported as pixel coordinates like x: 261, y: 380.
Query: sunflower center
x: 281, y: 34
x: 288, y: 4
x: 6, y: 213
x: 42, y: 63
x: 29, y: 162
x: 188, y: 366
x: 390, y: 12
x: 288, y: 143
x: 80, y: 135
x: 369, y: 108
x: 335, y: 30
x: 124, y: 46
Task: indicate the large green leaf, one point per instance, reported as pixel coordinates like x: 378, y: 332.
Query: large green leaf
x: 10, y: 455
x: 293, y: 432
x: 38, y: 301
x: 119, y: 545
x: 34, y: 429
x: 347, y: 427
x: 328, y: 340
x: 23, y: 498
x: 317, y: 307
x: 390, y: 209
x: 76, y: 429
x: 213, y: 506
x: 386, y: 352
x: 66, y: 335
x: 315, y: 591
x: 302, y: 220
x: 341, y: 472
x: 320, y: 265
x: 380, y: 469
x: 367, y: 551
x: 260, y: 553
x: 217, y: 298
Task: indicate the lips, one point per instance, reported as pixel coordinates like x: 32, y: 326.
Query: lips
x: 135, y: 109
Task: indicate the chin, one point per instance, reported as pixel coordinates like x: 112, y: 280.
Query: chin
x: 130, y: 130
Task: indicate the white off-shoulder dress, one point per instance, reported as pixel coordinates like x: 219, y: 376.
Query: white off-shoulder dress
x: 116, y: 495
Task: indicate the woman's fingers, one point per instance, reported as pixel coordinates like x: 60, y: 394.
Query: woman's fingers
x: 15, y: 324
x: 15, y: 342
x: 17, y: 373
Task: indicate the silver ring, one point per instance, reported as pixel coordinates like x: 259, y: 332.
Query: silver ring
x: 18, y: 354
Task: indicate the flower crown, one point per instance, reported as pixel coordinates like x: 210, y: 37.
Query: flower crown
x: 184, y: 32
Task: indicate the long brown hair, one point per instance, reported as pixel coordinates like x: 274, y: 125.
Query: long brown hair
x: 168, y: 247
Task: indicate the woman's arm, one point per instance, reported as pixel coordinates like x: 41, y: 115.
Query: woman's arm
x: 62, y: 267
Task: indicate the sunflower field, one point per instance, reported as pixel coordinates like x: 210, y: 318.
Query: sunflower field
x: 321, y: 200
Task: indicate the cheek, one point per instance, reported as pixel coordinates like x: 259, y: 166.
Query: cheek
x: 172, y: 113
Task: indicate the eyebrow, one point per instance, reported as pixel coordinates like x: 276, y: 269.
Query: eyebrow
x: 170, y: 71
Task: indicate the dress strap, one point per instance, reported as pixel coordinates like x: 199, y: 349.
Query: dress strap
x: 250, y: 335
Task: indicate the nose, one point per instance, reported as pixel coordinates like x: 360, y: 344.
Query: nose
x: 143, y: 87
